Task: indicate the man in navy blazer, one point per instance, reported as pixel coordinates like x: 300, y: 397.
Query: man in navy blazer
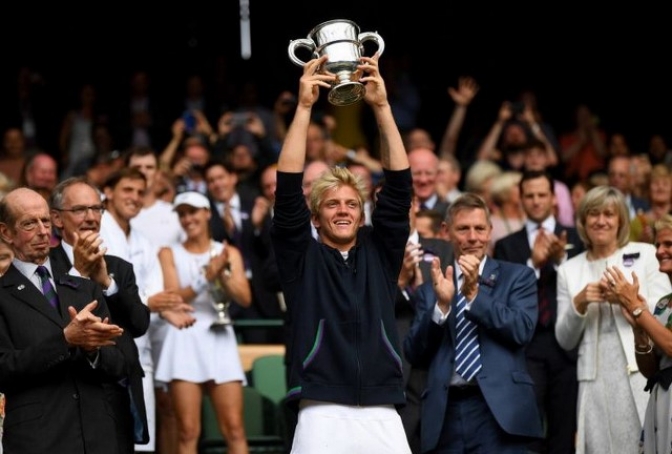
x: 543, y: 244
x: 496, y: 410
x: 59, y: 366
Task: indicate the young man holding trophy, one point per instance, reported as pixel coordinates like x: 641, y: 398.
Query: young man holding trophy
x: 344, y: 363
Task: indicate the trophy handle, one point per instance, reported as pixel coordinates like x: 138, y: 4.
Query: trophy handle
x: 293, y: 45
x: 375, y: 37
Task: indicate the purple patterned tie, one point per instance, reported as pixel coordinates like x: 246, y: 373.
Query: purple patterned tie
x: 47, y: 289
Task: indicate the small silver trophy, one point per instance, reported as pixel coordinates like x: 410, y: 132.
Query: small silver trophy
x: 341, y: 40
x: 220, y: 298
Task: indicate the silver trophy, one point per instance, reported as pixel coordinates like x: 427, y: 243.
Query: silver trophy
x: 220, y: 298
x: 341, y: 40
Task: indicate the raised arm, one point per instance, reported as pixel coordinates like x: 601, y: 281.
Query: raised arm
x: 392, y: 153
x: 462, y: 96
x: 293, y: 153
x: 488, y: 148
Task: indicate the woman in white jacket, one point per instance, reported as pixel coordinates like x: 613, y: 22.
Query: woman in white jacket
x: 612, y: 399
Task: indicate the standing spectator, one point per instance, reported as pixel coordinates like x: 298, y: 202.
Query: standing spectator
x: 473, y: 323
x: 13, y: 155
x: 424, y: 168
x: 514, y: 127
x: 59, y: 354
x: 156, y: 220
x: 659, y: 151
x: 587, y: 319
x: 123, y: 191
x: 621, y: 177
x: 231, y: 221
x: 76, y: 210
x: 40, y: 174
x: 418, y: 138
x: 448, y: 176
x: 343, y: 284
x: 508, y: 215
x: 583, y: 150
x: 415, y: 270
x: 141, y: 121
x: 660, y: 201
x: 536, y: 159
x: 543, y: 244
x: 76, y: 143
x: 462, y: 96
x: 29, y: 107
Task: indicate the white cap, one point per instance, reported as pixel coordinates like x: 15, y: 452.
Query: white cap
x: 191, y: 198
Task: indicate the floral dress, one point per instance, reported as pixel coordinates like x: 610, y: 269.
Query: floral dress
x: 657, y: 431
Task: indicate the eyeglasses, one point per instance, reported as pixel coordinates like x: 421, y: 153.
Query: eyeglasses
x: 81, y: 210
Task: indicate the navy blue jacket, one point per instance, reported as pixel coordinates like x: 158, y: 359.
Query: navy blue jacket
x: 343, y: 345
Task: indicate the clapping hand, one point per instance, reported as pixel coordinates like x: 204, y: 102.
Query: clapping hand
x: 88, y: 331
x: 444, y: 287
x: 618, y: 290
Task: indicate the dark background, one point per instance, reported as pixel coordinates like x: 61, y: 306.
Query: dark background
x: 616, y: 60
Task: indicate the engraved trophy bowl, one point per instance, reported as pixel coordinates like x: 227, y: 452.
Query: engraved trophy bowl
x: 220, y: 298
x: 341, y: 40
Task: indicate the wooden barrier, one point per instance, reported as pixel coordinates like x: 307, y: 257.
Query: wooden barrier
x: 249, y: 352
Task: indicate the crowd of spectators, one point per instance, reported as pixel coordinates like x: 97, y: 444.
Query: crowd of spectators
x: 225, y: 143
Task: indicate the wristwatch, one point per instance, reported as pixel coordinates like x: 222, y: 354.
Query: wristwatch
x: 637, y: 311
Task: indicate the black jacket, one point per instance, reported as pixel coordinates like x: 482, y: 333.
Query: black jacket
x: 343, y: 345
x: 128, y: 311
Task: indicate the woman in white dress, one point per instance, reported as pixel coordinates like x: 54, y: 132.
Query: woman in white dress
x: 612, y: 400
x: 653, y: 342
x: 201, y: 359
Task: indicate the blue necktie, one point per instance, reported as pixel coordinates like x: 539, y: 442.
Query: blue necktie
x: 468, y: 354
x: 47, y: 289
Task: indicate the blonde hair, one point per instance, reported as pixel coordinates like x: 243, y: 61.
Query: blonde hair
x: 663, y: 223
x: 502, y: 184
x: 333, y: 178
x: 600, y: 198
x: 479, y: 173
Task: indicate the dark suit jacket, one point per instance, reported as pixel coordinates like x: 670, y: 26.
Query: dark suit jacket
x: 516, y: 248
x: 128, y: 311
x: 505, y: 310
x: 56, y: 401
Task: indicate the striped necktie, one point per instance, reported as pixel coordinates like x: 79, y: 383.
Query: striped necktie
x: 47, y: 289
x: 468, y: 353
